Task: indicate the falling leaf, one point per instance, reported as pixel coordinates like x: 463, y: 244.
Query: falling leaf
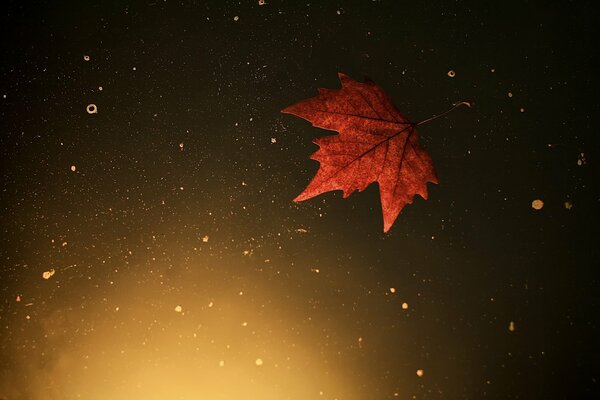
x: 376, y: 143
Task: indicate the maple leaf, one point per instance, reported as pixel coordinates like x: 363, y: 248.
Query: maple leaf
x: 376, y: 143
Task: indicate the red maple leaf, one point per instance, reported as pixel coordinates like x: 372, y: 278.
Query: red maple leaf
x: 376, y: 143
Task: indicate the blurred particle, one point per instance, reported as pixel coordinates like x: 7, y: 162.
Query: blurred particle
x: 211, y: 304
x: 451, y: 73
x: 581, y: 159
x: 244, y: 324
x: 236, y: 18
x: 91, y: 109
x: 420, y: 373
x: 510, y: 94
x: 522, y: 109
x: 315, y: 270
x: 405, y: 306
x: 259, y: 362
x: 178, y: 308
x: 181, y: 146
x: 100, y: 88
x: 205, y: 238
x: 273, y: 140
x: 537, y: 204
x: 392, y: 290
x: 261, y: 2
x: 73, y: 168
x: 48, y: 274
x: 511, y: 326
x: 18, y: 299
x: 86, y: 57
x: 568, y: 205
x: 221, y: 363
x: 134, y: 69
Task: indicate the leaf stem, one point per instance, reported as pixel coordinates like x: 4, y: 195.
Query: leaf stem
x: 462, y: 103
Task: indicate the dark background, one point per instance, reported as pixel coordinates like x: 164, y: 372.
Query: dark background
x: 144, y: 226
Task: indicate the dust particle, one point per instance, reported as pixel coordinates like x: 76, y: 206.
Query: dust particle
x: 48, y: 274
x: 405, y: 306
x: 451, y: 73
x: 511, y: 326
x: 420, y: 373
x: 537, y: 204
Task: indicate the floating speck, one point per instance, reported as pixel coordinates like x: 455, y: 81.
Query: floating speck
x: 205, y: 238
x: 86, y: 57
x: 100, y: 88
x: 181, y: 146
x: 134, y: 69
x: 537, y: 204
x: 405, y: 306
x: 91, y: 109
x: 259, y: 362
x: 261, y: 2
x: 420, y: 373
x: 511, y: 326
x: 178, y: 308
x: 73, y: 168
x: 236, y: 18
x: 273, y: 140
x: 522, y: 109
x: 392, y: 290
x: 451, y: 73
x: 221, y: 363
x: 211, y: 304
x: 18, y: 299
x: 510, y: 94
x: 581, y: 160
x: 48, y: 274
x: 568, y: 205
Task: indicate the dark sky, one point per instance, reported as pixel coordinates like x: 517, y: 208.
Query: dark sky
x: 152, y: 250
